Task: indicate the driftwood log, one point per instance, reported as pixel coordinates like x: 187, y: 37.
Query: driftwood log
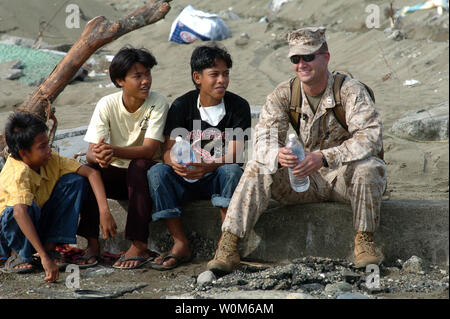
x: 98, y: 32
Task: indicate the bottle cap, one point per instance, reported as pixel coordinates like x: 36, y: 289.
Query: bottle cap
x: 178, y: 139
x: 292, y: 136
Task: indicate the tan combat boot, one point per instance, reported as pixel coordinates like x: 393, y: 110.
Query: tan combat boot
x: 365, y: 251
x: 227, y: 257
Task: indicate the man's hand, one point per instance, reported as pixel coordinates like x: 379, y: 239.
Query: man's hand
x: 286, y: 158
x: 108, y: 224
x: 309, y: 165
x: 103, y: 153
x: 50, y: 268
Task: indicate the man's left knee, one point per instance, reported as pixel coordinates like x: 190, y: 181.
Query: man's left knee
x: 370, y: 169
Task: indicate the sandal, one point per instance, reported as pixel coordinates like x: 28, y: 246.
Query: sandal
x: 14, y: 261
x: 86, y: 258
x: 142, y: 261
x: 179, y: 260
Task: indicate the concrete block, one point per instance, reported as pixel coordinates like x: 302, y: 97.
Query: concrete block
x: 407, y: 228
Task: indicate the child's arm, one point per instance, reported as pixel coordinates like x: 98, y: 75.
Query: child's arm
x: 146, y: 150
x: 107, y: 223
x: 27, y: 227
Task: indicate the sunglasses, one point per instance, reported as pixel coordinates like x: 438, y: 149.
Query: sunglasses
x: 295, y: 59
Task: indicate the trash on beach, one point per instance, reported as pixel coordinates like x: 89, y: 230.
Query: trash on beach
x: 439, y: 4
x: 275, y: 5
x: 192, y: 25
x: 411, y: 82
x: 106, y: 86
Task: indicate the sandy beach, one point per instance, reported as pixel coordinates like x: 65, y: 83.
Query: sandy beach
x: 416, y: 169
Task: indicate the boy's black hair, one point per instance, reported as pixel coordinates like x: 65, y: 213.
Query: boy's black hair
x: 206, y: 56
x: 126, y: 58
x: 20, y: 131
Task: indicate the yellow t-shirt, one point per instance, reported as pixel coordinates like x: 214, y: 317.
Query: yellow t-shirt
x: 112, y: 121
x: 19, y: 184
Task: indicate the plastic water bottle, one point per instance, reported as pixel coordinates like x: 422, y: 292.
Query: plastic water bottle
x: 182, y: 153
x: 297, y: 184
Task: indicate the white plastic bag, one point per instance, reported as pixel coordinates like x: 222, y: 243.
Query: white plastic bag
x: 192, y: 25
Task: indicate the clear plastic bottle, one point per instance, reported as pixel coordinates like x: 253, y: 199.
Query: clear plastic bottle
x: 182, y: 153
x: 297, y: 184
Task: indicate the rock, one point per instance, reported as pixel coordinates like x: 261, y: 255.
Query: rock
x: 413, y: 265
x: 351, y: 277
x: 312, y: 287
x: 11, y: 70
x: 206, y: 277
x: 352, y: 295
x: 299, y: 295
x: 424, y: 125
x: 243, y: 40
x: 338, y: 287
x: 397, y: 35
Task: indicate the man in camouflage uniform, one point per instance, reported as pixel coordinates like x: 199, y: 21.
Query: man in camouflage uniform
x: 342, y: 165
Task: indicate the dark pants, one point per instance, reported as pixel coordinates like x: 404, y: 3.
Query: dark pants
x: 55, y: 223
x: 121, y: 184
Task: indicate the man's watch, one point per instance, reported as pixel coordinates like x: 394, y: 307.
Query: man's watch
x: 324, y: 161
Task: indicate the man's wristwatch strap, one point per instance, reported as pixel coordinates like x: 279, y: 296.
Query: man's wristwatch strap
x: 324, y: 161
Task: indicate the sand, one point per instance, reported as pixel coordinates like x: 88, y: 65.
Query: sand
x: 416, y: 170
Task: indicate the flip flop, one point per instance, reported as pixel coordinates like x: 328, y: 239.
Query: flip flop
x: 179, y: 260
x: 85, y: 258
x: 142, y: 261
x: 14, y: 261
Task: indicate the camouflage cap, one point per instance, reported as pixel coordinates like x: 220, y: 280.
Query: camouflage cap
x: 305, y: 41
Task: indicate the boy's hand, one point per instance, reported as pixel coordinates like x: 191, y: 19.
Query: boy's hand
x: 108, y: 225
x: 198, y: 170
x: 50, y: 268
x: 103, y: 153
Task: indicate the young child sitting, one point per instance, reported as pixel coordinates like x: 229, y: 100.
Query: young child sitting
x: 41, y: 194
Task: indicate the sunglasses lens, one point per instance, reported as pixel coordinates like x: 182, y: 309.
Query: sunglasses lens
x: 309, y: 57
x: 295, y: 59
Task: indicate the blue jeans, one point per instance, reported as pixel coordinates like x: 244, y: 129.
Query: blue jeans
x: 168, y: 190
x: 56, y: 222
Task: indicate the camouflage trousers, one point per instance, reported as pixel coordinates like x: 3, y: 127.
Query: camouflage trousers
x: 361, y: 184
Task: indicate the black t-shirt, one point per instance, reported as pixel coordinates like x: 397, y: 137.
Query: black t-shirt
x: 209, y: 141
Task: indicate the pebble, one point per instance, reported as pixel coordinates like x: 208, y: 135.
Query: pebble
x: 206, y: 277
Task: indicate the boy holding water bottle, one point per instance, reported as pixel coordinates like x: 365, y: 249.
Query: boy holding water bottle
x: 216, y: 124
